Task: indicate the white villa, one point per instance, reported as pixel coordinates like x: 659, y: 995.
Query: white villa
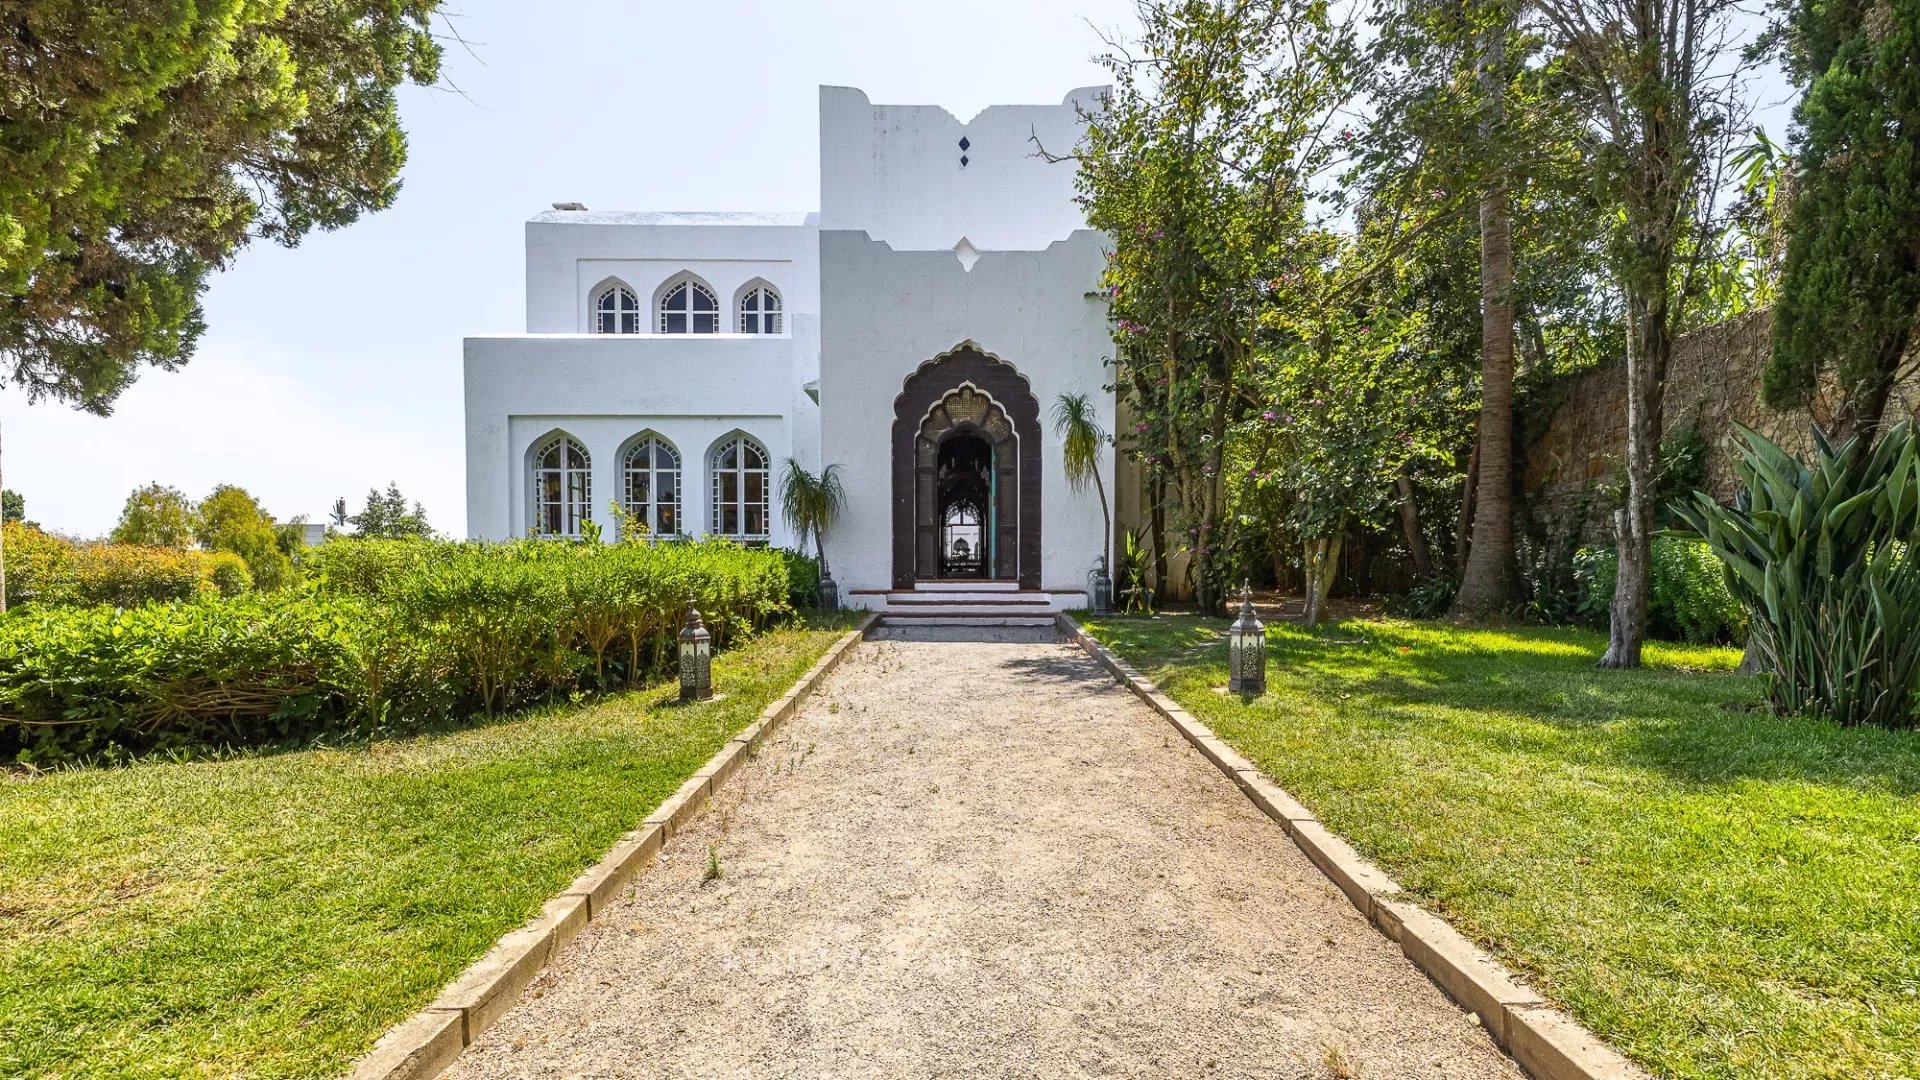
x: 916, y: 331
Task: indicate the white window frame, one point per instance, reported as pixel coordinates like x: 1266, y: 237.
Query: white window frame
x: 569, y: 497
x: 740, y: 504
x: 687, y: 310
x: 625, y: 309
x: 760, y: 311
x: 657, y: 479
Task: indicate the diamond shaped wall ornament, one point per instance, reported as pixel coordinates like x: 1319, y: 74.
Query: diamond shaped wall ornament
x: 964, y: 144
x: 963, y: 161
x: 967, y: 253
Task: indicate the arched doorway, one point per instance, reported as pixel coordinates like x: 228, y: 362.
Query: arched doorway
x: 966, y: 445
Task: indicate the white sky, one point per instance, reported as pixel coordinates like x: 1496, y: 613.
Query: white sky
x: 335, y: 367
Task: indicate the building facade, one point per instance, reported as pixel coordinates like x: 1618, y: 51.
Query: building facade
x: 916, y: 332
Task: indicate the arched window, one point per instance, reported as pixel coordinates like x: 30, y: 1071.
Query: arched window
x: 760, y: 310
x: 617, y: 311
x: 562, y: 488
x: 653, y: 485
x: 740, y: 489
x: 688, y: 307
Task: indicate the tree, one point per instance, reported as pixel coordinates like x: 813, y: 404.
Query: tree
x: 157, y: 516
x: 810, y: 504
x: 1199, y: 168
x: 1850, y: 292
x: 1081, y: 438
x: 231, y: 520
x: 143, y: 142
x: 13, y: 507
x: 1472, y: 136
x: 386, y: 517
x: 1659, y: 82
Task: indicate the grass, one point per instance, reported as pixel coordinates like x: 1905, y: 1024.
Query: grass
x: 1717, y: 891
x: 270, y: 915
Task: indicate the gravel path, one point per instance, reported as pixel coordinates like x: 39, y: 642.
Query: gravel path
x: 981, y: 860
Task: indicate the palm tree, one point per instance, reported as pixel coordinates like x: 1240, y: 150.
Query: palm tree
x: 810, y: 504
x: 1080, y: 440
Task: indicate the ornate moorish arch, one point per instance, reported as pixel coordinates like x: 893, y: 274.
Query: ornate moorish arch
x: 967, y: 393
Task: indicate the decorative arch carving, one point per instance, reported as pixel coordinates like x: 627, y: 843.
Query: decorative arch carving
x: 966, y: 390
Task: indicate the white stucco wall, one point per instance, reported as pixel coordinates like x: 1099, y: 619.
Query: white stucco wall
x: 894, y: 172
x: 885, y: 312
x: 605, y: 389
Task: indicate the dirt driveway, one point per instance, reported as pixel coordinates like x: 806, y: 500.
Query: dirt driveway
x: 981, y: 860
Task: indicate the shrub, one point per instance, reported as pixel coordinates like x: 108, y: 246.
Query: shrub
x: 43, y: 569
x: 803, y: 579
x: 1826, y: 556
x: 1690, y: 600
x: 391, y: 636
x: 228, y: 573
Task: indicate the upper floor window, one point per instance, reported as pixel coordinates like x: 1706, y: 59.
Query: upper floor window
x: 760, y: 310
x: 653, y: 485
x: 617, y: 311
x: 688, y: 307
x: 741, y: 489
x: 562, y: 487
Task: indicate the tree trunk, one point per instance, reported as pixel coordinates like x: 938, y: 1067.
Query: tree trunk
x: 1157, y: 532
x: 1487, y: 582
x: 1463, y: 524
x: 1321, y: 565
x: 1648, y: 346
x: 1410, y: 524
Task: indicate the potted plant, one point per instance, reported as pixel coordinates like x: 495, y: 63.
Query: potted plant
x: 810, y: 503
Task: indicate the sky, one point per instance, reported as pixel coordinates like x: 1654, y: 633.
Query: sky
x: 334, y: 367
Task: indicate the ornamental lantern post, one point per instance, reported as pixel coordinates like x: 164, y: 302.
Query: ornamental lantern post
x: 696, y: 658
x: 1247, y: 650
x: 1102, y: 586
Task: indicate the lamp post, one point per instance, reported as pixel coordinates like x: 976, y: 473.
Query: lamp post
x: 1247, y: 650
x: 696, y: 658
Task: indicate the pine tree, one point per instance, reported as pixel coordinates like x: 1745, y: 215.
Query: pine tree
x: 1849, y: 292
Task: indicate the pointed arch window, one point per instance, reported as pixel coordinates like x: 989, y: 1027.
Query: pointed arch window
x: 760, y: 310
x: 741, y: 486
x: 616, y: 311
x: 562, y: 487
x: 652, y: 470
x: 689, y: 307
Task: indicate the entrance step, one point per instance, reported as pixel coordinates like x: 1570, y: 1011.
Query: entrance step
x: 965, y: 585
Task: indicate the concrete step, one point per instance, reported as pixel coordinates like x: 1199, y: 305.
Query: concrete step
x: 965, y: 617
x: 949, y: 598
x: 965, y: 585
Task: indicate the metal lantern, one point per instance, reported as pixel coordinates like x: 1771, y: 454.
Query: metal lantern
x: 829, y: 591
x: 1102, y: 586
x: 1247, y: 650
x: 696, y: 657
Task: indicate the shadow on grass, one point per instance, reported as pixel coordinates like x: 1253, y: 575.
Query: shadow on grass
x: 1536, y: 691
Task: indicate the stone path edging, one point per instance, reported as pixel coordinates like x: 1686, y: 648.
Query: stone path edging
x: 1547, y: 1042
x: 422, y: 1046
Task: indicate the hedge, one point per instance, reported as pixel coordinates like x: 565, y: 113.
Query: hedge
x: 47, y: 570
x: 390, y: 636
x: 1689, y: 601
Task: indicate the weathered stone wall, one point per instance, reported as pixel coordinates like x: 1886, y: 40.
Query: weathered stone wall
x: 1574, y: 436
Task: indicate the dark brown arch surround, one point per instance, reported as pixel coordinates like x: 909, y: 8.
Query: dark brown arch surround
x: 915, y: 426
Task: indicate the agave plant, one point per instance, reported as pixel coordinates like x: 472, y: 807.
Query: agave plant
x: 810, y: 504
x: 1823, y: 555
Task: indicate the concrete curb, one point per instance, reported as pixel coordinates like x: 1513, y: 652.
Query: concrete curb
x: 1546, y: 1042
x: 422, y: 1046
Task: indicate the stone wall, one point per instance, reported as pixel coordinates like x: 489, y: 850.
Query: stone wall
x: 1573, y: 434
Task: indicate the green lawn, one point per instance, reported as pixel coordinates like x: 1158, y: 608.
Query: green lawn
x: 1718, y: 892
x: 271, y: 915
